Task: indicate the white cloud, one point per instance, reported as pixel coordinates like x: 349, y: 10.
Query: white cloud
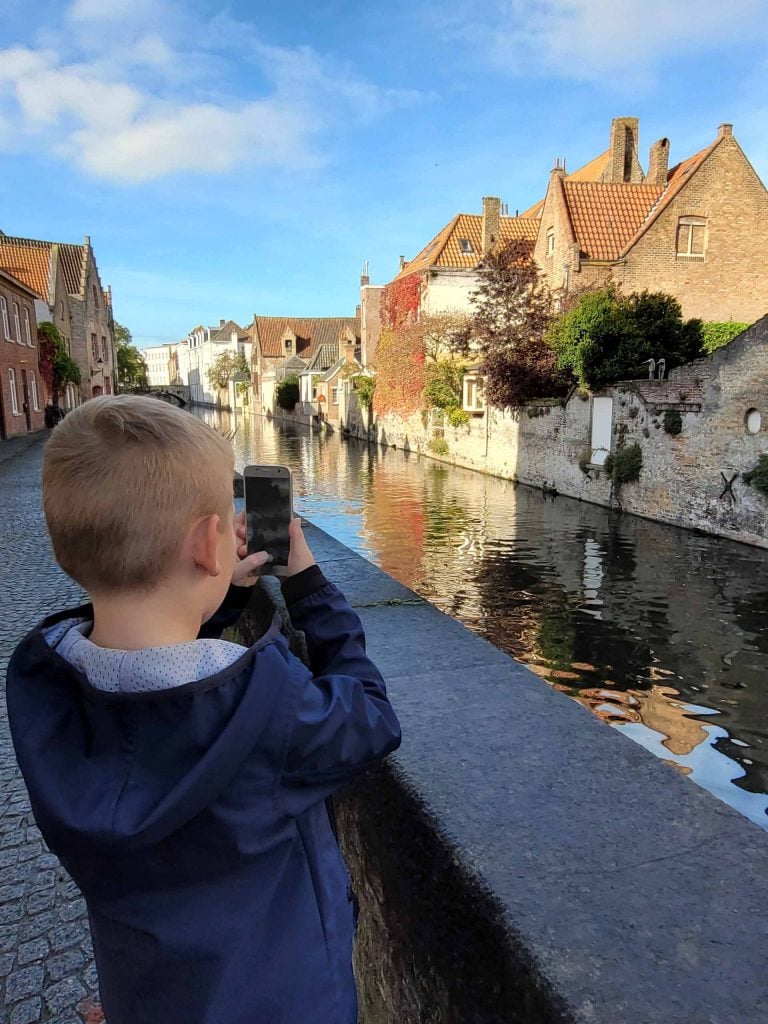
x: 592, y: 39
x: 135, y: 97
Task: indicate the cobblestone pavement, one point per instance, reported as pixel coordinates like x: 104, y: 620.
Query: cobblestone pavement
x: 46, y: 961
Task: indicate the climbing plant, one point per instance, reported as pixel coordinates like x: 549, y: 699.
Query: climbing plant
x: 57, y: 367
x: 624, y: 467
x: 364, y: 389
x: 718, y: 334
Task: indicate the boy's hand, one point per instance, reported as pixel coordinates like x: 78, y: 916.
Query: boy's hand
x: 248, y: 568
x: 300, y: 557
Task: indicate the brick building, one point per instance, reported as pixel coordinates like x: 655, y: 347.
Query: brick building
x: 22, y: 392
x: 283, y: 345
x: 67, y: 278
x: 698, y: 230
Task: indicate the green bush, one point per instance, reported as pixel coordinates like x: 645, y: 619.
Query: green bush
x: 585, y: 459
x: 287, y: 393
x: 673, y: 422
x: 443, y: 384
x: 364, y: 388
x: 438, y: 445
x: 718, y: 334
x: 608, y: 336
x: 456, y: 416
x: 758, y: 476
x: 625, y: 466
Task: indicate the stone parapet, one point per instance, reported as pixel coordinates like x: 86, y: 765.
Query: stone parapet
x: 518, y: 860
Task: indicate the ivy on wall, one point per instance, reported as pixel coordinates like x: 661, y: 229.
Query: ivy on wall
x: 400, y: 353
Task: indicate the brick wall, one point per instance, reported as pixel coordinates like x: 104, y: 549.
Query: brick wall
x: 683, y: 477
x: 22, y: 391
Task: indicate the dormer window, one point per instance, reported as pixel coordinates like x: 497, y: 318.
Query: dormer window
x: 288, y: 344
x: 691, y: 237
x: 466, y: 247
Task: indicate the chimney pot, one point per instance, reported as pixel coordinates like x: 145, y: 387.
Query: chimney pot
x: 364, y: 280
x: 357, y: 310
x: 221, y: 323
x: 402, y: 262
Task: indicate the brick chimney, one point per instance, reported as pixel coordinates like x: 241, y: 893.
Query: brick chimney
x: 658, y: 163
x: 725, y: 131
x: 623, y: 164
x: 491, y: 222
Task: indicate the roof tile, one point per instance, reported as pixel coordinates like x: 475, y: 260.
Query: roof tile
x: 606, y: 216
x: 445, y: 249
x: 311, y: 332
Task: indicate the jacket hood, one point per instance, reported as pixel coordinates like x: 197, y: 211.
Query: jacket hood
x: 128, y: 769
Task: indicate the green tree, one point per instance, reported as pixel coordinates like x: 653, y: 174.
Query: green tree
x: 57, y: 367
x: 607, y: 336
x: 226, y: 367
x: 131, y: 366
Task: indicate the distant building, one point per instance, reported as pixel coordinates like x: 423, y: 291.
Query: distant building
x: 66, y: 278
x: 162, y: 364
x: 285, y: 345
x: 22, y: 392
x: 197, y: 355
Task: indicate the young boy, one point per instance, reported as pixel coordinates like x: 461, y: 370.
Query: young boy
x: 181, y: 778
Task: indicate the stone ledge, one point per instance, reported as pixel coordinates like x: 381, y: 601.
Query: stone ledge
x: 520, y: 861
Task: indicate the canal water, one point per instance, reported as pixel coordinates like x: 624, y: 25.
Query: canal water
x: 660, y: 632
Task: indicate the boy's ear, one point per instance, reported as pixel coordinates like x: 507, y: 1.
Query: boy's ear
x: 204, y: 544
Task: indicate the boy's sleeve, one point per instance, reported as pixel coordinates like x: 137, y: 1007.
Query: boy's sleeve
x: 226, y: 614
x: 343, y: 721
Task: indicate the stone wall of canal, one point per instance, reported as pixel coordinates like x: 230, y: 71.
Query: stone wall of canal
x: 694, y: 479
x: 518, y: 861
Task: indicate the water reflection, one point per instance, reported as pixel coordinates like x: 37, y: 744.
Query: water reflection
x: 660, y: 632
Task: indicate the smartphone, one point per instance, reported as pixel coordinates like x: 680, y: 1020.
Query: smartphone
x: 268, y: 513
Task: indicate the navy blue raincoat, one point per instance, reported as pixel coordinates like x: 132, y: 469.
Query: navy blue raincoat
x: 193, y: 819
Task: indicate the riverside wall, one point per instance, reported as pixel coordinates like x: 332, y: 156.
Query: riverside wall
x: 518, y: 861
x: 694, y: 479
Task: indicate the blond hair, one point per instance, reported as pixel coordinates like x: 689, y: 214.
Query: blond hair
x: 124, y: 477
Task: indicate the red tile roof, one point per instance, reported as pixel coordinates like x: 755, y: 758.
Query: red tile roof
x: 311, y: 332
x: 592, y: 171
x: 445, y: 249
x: 606, y: 216
x: 29, y: 260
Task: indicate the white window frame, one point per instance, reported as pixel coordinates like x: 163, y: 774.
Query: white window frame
x: 473, y: 386
x: 17, y: 322
x: 551, y: 242
x: 12, y: 389
x: 27, y: 327
x: 33, y: 391
x: 690, y: 223
x: 6, y: 321
x: 334, y: 396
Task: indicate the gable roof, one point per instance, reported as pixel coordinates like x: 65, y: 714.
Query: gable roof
x: 325, y: 356
x: 29, y: 259
x: 609, y: 218
x: 677, y: 178
x: 606, y: 216
x: 14, y: 282
x: 224, y: 332
x: 445, y: 249
x: 311, y: 332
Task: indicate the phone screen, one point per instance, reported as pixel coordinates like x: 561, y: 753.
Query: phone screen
x: 268, y: 514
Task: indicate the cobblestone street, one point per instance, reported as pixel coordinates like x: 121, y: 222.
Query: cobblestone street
x: 46, y: 962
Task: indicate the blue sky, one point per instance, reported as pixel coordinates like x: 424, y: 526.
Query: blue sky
x: 227, y: 160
